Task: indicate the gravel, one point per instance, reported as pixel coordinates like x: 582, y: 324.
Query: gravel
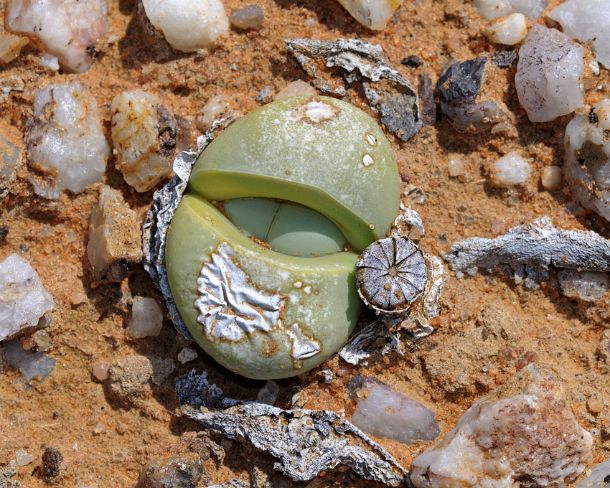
x: 146, y: 318
x: 248, y: 17
x: 65, y: 138
x: 23, y: 299
x: 383, y: 412
x: 549, y: 72
x: 68, y: 29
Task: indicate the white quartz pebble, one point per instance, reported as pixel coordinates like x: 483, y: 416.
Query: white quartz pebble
x: 456, y: 166
x: 146, y: 318
x: 144, y: 138
x: 100, y: 371
x: 597, y: 478
x: 551, y: 177
x: 186, y: 355
x: 68, y: 29
x: 491, y: 9
x: 384, y: 412
x: 10, y: 47
x: 509, y: 31
x: 248, y: 17
x: 213, y: 110
x: 587, y: 165
x: 373, y: 14
x: 511, y: 170
x: 23, y: 458
x: 525, y: 431
x: 188, y: 25
x: 65, y: 139
x: 23, y: 299
x: 549, y: 72
x: 531, y: 8
x: 587, y: 20
x: 298, y: 88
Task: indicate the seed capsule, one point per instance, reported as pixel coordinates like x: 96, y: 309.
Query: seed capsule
x: 391, y: 274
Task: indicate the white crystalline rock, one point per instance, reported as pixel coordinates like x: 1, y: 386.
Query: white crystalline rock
x: 491, y: 9
x: 68, y: 29
x: 549, y: 72
x: 508, y: 31
x: 211, y: 111
x: 186, y: 355
x: 188, y: 25
x: 531, y: 8
x: 384, y: 412
x: 373, y: 14
x: 49, y: 62
x: 23, y: 299
x: 587, y: 165
x: 146, y: 318
x: 297, y: 88
x: 597, y: 478
x: 524, y: 431
x: 144, y: 138
x: 65, y: 138
x: 587, y: 21
x: 511, y: 170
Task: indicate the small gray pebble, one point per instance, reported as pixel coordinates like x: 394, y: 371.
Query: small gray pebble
x: 248, y: 17
x: 265, y: 95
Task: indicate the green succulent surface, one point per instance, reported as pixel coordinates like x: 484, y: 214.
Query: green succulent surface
x: 322, y: 153
x: 317, y: 294
x: 258, y: 252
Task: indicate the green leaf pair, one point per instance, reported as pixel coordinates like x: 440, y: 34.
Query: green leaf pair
x: 267, y: 288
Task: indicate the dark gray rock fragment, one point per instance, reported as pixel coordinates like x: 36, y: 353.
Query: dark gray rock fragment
x: 461, y: 81
x: 6, y: 473
x: 428, y: 104
x: 195, y: 390
x: 505, y: 59
x: 458, y: 89
x: 358, y: 62
x: 265, y: 95
x: 412, y: 61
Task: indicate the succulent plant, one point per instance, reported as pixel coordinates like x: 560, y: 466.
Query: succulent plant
x: 258, y: 252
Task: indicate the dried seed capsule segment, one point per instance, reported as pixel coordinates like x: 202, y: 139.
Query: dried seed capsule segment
x: 391, y: 274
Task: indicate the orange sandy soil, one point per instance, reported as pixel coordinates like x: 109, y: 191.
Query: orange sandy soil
x: 488, y: 327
